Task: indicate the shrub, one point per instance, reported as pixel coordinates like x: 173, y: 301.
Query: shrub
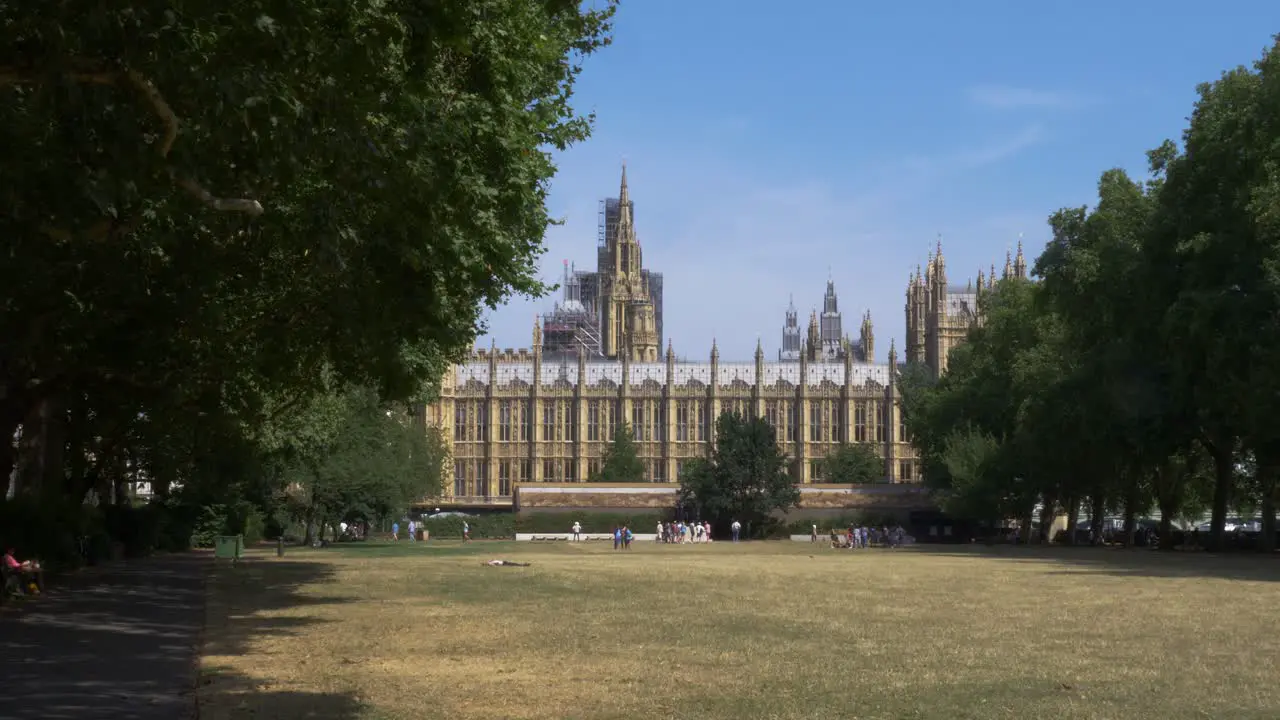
x: 482, y: 526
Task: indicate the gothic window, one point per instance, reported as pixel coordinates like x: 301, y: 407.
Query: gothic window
x: 679, y: 470
x: 460, y: 422
x: 608, y: 427
x: 771, y: 416
x: 837, y: 421
x: 570, y: 420
x: 815, y: 421
x: 905, y: 470
x: 638, y: 421
x: 902, y: 427
x: 593, y: 467
x: 701, y: 409
x: 793, y: 427
x: 550, y: 471
x: 524, y: 423
x: 682, y: 420
x: 548, y: 422
x: 659, y: 417
x: 570, y: 471
x: 878, y: 419
x: 481, y: 484
x: 860, y: 421
x: 593, y: 420
x: 504, y: 420
x: 526, y: 471
x: 659, y: 471
x: 459, y: 479
x: 481, y: 414
x: 815, y: 471
x: 504, y: 477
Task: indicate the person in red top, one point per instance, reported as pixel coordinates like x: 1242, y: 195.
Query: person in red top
x: 25, y: 571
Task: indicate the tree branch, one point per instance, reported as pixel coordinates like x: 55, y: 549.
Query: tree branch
x: 92, y: 74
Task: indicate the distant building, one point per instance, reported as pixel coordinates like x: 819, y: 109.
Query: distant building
x: 940, y: 315
x: 826, y: 341
x: 617, y: 309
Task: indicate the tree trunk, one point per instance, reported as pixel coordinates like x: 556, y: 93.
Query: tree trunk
x: 9, y: 423
x: 1097, y: 510
x: 1047, y: 513
x: 1073, y: 514
x: 1131, y: 501
x: 1224, y: 469
x: 1266, y: 474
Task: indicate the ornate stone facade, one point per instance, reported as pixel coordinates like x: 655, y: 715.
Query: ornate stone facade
x: 510, y: 417
x: 939, y: 315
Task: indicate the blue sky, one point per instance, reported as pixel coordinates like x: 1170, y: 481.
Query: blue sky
x: 765, y: 146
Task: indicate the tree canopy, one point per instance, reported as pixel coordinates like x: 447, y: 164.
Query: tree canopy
x: 853, y: 464
x: 1137, y: 370
x: 621, y: 463
x: 217, y: 216
x: 745, y: 479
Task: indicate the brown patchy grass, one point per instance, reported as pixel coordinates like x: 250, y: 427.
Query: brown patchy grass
x: 749, y: 631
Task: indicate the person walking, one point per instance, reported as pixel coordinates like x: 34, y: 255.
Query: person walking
x: 736, y: 527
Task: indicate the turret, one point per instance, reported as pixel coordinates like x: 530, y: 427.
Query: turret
x: 1008, y: 266
x: 1020, y: 262
x: 814, y: 340
x: 867, y: 338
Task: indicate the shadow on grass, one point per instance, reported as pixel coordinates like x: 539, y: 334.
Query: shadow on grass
x: 434, y: 548
x: 1123, y: 562
x: 228, y: 694
x: 243, y: 598
x: 243, y: 602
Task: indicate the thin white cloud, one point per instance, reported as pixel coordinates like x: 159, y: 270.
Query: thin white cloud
x: 1005, y: 97
x: 1000, y: 149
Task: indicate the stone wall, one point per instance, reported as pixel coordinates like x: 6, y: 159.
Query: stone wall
x: 551, y: 497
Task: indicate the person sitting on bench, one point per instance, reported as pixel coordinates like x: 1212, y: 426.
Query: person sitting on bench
x: 26, y: 571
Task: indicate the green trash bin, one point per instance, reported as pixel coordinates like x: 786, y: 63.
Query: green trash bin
x: 229, y: 547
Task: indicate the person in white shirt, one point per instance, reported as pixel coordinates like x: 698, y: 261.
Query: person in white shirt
x: 412, y: 526
x: 577, y: 531
x: 736, y: 527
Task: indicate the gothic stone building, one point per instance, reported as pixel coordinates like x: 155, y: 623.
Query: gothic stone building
x: 939, y: 315
x: 513, y: 417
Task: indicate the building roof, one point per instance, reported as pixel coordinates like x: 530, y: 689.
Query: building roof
x: 683, y: 373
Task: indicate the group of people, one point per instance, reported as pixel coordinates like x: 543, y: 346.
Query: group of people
x: 682, y: 532
x: 864, y: 537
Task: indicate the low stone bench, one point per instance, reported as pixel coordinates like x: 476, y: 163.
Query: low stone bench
x: 585, y: 537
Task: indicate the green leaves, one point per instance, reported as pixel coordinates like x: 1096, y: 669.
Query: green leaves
x: 853, y: 464
x: 746, y: 477
x: 621, y: 462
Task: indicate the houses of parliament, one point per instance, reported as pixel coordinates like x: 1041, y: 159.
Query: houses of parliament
x: 547, y: 413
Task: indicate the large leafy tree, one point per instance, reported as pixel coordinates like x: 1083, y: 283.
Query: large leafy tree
x: 354, y: 457
x: 212, y: 208
x: 746, y: 477
x: 621, y: 462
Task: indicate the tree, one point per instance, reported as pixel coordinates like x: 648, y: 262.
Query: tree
x: 853, y: 464
x: 360, y: 459
x: 746, y: 477
x: 621, y: 461
x: 273, y: 203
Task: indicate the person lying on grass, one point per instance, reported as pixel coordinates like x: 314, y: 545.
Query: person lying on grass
x: 504, y: 563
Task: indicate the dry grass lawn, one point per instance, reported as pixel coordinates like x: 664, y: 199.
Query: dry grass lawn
x: 749, y: 631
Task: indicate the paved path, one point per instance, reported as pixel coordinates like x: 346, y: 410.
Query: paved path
x: 114, y: 642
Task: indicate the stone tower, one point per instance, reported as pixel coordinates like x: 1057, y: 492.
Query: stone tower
x: 940, y: 315
x: 628, y: 322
